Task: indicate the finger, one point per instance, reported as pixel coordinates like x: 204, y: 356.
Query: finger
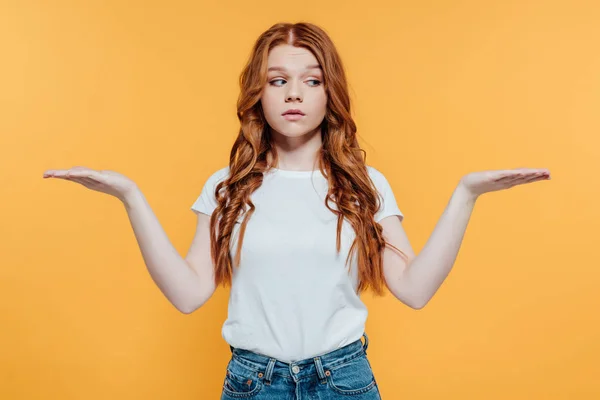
x: 535, y: 178
x: 510, y: 173
x: 83, y: 181
x: 528, y: 178
x: 85, y: 173
x: 509, y: 177
x: 89, y: 181
x: 515, y: 181
x: 519, y: 179
x: 536, y: 174
x: 62, y: 171
x: 58, y: 173
x: 518, y: 175
x: 53, y: 172
x: 74, y: 179
x: 528, y: 171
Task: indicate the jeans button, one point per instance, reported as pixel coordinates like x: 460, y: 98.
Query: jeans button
x: 295, y: 369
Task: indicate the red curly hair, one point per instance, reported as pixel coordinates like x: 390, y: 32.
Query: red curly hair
x: 340, y: 159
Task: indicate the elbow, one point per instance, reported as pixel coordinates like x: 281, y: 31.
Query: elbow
x: 187, y: 308
x: 194, y: 303
x: 410, y: 299
x: 412, y: 303
x: 419, y: 303
x: 191, y: 306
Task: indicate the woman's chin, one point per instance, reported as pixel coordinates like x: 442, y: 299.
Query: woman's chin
x: 295, y: 132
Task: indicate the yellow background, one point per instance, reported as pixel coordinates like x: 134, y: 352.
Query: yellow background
x: 439, y: 89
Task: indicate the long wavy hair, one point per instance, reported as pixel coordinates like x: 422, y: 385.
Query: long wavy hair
x: 340, y: 159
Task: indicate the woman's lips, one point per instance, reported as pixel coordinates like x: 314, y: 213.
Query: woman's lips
x: 293, y: 117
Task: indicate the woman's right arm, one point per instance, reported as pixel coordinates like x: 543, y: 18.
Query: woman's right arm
x: 187, y: 283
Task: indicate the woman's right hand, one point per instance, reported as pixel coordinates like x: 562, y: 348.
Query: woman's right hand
x: 105, y: 181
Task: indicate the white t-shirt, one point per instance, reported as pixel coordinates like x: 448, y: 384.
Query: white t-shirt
x: 292, y: 297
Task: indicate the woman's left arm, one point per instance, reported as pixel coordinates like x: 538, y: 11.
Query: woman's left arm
x: 417, y: 281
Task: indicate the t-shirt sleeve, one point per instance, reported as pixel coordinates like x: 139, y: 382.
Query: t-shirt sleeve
x: 207, y: 202
x: 388, y: 205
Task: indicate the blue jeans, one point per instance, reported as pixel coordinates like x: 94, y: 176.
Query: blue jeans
x: 344, y: 373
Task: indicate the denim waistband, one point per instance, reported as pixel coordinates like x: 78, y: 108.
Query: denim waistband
x: 298, y: 369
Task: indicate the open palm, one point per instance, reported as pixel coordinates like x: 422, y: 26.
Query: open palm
x: 105, y: 181
x: 481, y: 182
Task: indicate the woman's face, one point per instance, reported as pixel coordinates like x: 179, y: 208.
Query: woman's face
x: 294, y: 81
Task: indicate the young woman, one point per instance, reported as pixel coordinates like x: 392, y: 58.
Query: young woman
x: 298, y: 226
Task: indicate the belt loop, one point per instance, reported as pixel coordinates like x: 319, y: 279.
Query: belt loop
x: 366, y: 345
x: 269, y: 370
x: 319, y: 366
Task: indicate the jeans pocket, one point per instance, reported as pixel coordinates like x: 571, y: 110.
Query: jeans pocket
x: 241, y: 381
x: 352, y: 377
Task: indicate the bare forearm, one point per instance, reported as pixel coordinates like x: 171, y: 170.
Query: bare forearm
x: 171, y: 273
x: 428, y: 270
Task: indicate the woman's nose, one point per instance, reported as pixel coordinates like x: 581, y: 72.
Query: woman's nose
x: 293, y: 93
x: 294, y: 97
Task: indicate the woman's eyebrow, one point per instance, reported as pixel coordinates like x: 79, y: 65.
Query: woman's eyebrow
x: 282, y: 69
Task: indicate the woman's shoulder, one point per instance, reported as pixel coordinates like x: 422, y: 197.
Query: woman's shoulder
x: 219, y: 175
x: 374, y: 173
x: 379, y: 179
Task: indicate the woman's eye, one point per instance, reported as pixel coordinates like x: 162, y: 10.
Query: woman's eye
x: 316, y: 82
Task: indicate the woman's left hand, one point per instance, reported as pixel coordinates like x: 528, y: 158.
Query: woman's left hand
x: 478, y: 183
